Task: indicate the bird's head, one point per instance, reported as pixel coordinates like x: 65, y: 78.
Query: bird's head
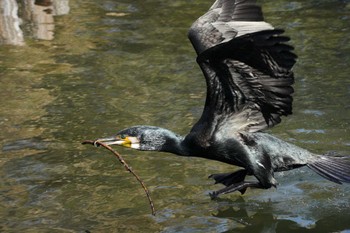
x: 144, y: 138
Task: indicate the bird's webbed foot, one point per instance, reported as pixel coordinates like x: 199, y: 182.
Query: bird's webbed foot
x: 241, y: 187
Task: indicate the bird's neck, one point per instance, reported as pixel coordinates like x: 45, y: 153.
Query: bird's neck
x: 175, y: 145
x: 167, y: 141
x: 187, y: 146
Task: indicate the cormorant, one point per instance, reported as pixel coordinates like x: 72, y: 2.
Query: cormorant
x: 247, y: 66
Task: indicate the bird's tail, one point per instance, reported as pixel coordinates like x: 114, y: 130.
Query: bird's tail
x: 336, y: 169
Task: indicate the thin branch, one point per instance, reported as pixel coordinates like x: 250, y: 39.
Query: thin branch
x: 127, y: 167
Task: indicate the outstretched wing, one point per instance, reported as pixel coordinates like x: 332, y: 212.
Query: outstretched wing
x: 247, y: 67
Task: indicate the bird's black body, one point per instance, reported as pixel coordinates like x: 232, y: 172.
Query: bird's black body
x: 247, y: 66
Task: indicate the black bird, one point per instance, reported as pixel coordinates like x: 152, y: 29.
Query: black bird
x: 247, y: 66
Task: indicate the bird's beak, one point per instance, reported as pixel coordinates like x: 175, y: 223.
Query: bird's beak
x: 130, y: 142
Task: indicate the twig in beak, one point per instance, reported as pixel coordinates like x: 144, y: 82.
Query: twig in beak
x: 127, y: 167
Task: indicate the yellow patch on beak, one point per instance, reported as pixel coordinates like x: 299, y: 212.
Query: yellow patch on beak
x: 129, y: 142
x: 125, y: 142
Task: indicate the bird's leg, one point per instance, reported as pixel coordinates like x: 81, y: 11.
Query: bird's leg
x: 228, y: 179
x: 242, y: 186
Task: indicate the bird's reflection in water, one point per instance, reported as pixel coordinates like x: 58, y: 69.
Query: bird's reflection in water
x: 264, y: 220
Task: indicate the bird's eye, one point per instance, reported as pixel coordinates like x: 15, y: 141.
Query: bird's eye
x: 122, y: 136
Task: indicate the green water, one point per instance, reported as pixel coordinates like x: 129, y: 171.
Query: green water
x: 104, y: 71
